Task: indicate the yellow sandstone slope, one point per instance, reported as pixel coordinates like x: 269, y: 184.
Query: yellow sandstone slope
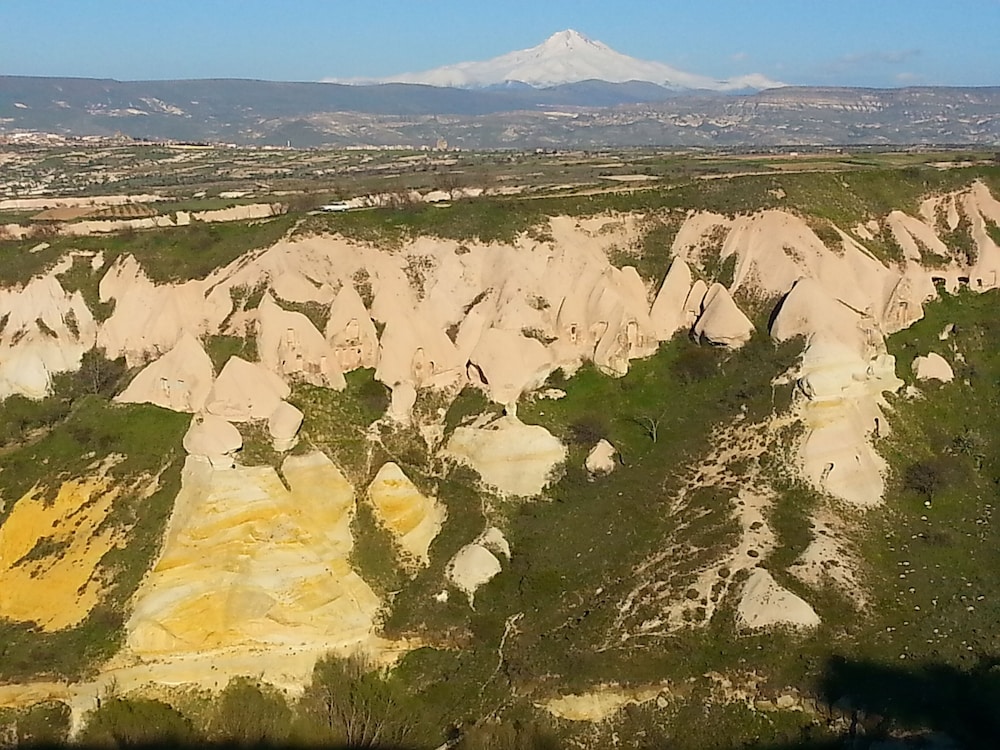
x: 50, y: 550
x: 247, y: 562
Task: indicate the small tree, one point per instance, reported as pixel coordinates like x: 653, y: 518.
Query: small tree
x: 350, y: 703
x: 128, y: 723
x: 248, y: 713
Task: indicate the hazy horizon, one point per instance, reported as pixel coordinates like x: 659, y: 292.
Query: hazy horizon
x: 846, y: 43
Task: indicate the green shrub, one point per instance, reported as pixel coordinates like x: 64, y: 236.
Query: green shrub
x: 248, y: 713
x: 123, y: 722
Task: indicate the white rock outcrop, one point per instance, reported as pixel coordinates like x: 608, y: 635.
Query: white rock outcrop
x: 180, y: 380
x: 351, y: 332
x: 471, y: 567
x: 766, y: 604
x: 290, y: 346
x: 515, y: 458
x: 933, y: 367
x: 283, y: 426
x: 214, y: 439
x: 246, y: 391
x: 509, y: 364
x: 721, y: 321
x: 601, y: 459
x: 43, y: 331
x: 667, y: 315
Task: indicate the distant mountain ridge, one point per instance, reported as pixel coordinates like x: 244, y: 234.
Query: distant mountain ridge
x: 585, y: 114
x: 570, y: 57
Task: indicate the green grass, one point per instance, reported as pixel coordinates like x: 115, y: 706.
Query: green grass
x: 336, y: 421
x: 221, y: 347
x: 166, y: 255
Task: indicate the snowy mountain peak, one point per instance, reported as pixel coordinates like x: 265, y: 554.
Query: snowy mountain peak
x: 568, y: 39
x: 569, y: 57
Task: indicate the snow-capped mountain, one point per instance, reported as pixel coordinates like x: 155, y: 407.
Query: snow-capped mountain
x: 568, y: 57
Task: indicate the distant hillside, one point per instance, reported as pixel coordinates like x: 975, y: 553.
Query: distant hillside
x: 585, y: 114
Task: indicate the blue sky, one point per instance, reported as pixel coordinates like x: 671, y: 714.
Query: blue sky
x: 812, y: 42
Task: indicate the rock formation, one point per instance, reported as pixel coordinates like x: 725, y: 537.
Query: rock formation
x: 214, y: 439
x: 721, y: 321
x: 471, y: 567
x: 933, y: 367
x: 765, y: 604
x: 245, y: 391
x: 180, y: 380
x: 283, y: 426
x: 230, y: 577
x: 601, y: 459
x: 290, y: 346
x: 413, y: 519
x: 43, y: 331
x: 515, y: 458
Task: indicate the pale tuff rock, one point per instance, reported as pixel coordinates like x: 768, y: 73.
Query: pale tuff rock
x: 214, y: 439
x: 413, y: 519
x: 619, y: 306
x: 933, y: 367
x: 283, y: 426
x: 773, y: 249
x: 290, y: 345
x: 43, y: 331
x: 416, y: 352
x: 494, y: 540
x: 602, y: 703
x: 229, y: 577
x: 905, y: 305
x: 292, y: 286
x: 913, y: 236
x: 667, y: 315
x: 601, y: 459
x: 149, y: 318
x: 515, y: 458
x: 510, y: 364
x: 471, y: 567
x: 180, y: 380
x: 721, y: 321
x: 843, y: 372
x: 351, y: 332
x: 246, y: 391
x: 765, y: 604
x: 930, y: 208
x: 693, y: 302
x: 404, y: 396
x: 981, y: 207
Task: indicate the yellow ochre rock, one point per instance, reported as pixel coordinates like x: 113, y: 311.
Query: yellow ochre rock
x: 247, y: 562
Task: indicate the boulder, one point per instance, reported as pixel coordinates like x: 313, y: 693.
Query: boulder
x: 471, y: 567
x: 933, y: 367
x: 516, y: 458
x: 214, y: 439
x: 667, y: 314
x: 765, y: 604
x: 601, y: 459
